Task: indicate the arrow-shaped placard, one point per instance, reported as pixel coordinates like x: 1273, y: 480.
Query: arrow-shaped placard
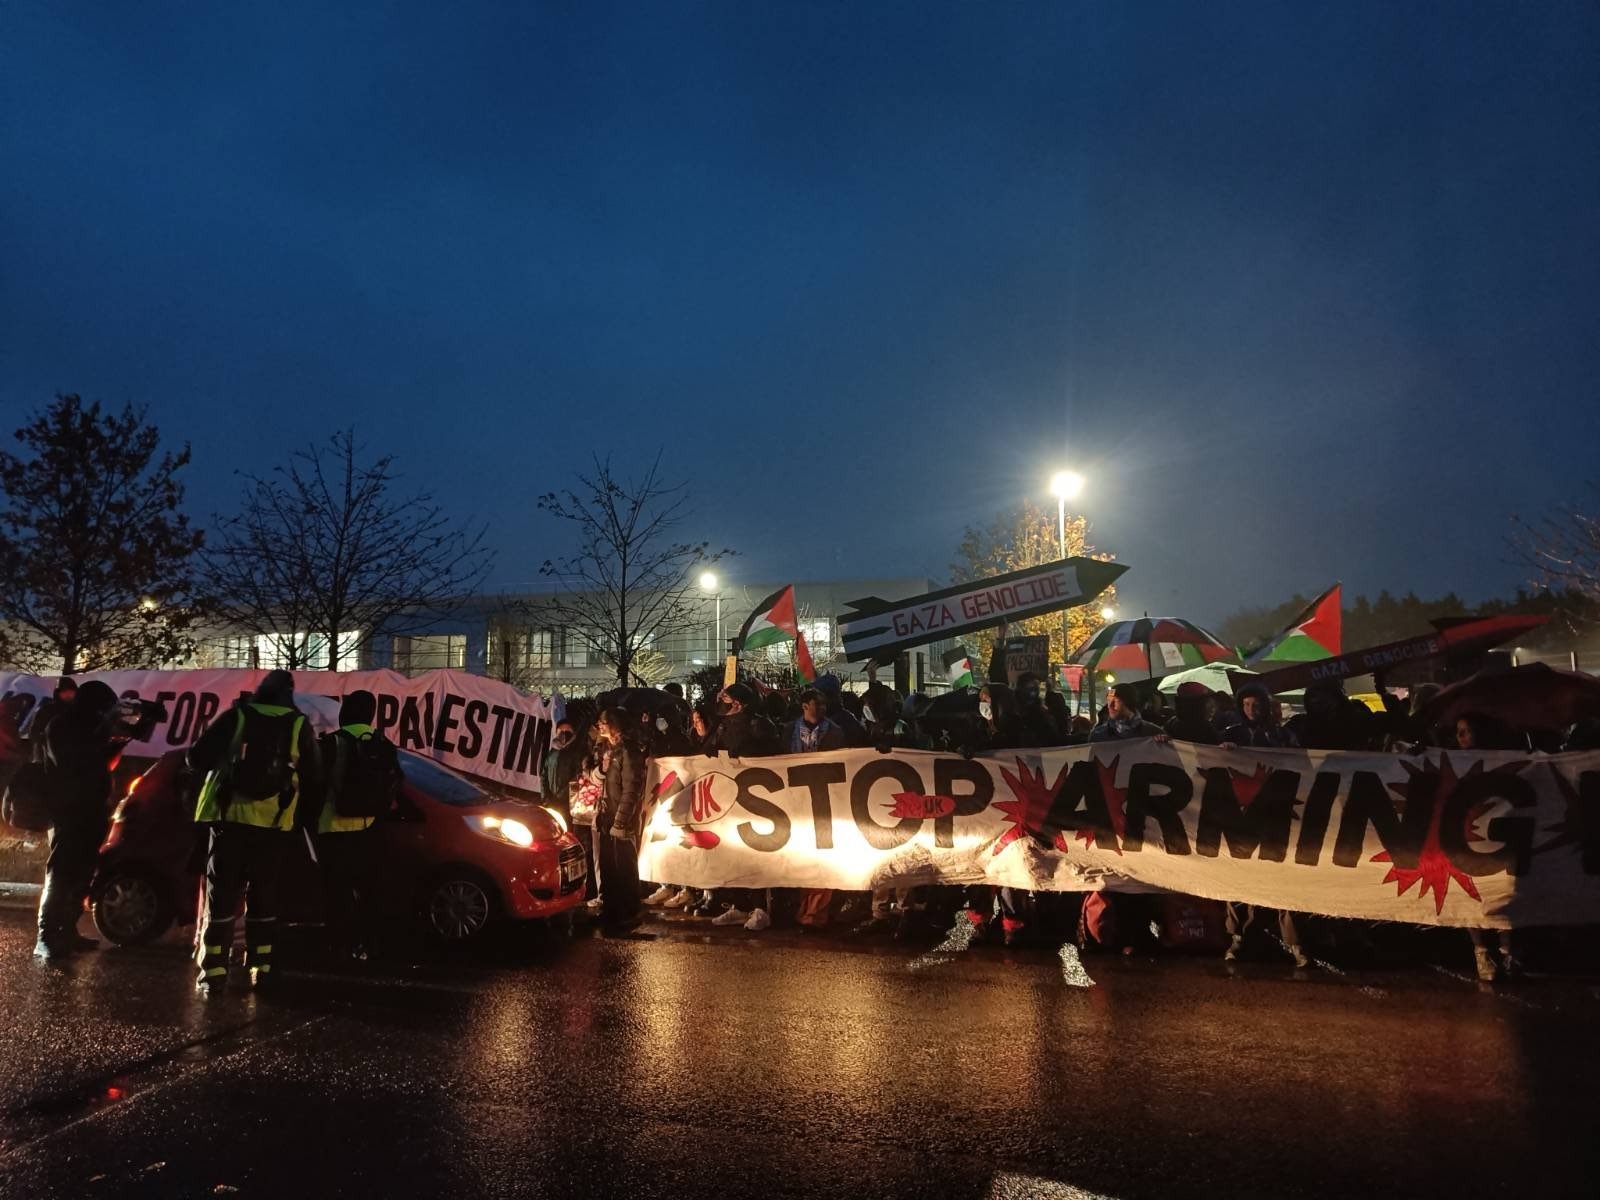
x: 882, y: 628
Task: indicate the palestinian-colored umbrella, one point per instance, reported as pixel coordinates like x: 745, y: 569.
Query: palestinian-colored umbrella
x: 1213, y: 675
x: 1534, y: 696
x: 1156, y: 646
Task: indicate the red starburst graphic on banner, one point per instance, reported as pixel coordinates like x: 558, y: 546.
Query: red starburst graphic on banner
x: 1247, y: 787
x: 915, y: 804
x: 700, y: 839
x: 1434, y: 870
x: 1116, y: 805
x: 1032, y: 804
x: 668, y: 784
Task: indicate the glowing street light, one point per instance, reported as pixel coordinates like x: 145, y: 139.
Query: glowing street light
x: 1107, y: 613
x: 1065, y: 485
x: 708, y: 583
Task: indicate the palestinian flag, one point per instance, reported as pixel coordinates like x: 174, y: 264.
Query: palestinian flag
x: 1313, y: 634
x: 959, y: 667
x: 773, y: 621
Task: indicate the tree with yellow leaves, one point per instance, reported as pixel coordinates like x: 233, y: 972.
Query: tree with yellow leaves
x: 1028, y: 536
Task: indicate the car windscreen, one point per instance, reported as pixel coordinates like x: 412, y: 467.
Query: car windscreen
x: 441, y: 784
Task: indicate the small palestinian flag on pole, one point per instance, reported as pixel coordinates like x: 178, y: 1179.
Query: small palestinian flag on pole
x: 1313, y: 634
x: 959, y: 667
x: 773, y: 621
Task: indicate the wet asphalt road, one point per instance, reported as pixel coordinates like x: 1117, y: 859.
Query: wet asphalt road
x: 733, y: 1065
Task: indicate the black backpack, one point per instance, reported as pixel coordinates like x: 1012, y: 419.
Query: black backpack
x: 260, y: 759
x: 365, y: 774
x: 26, y: 803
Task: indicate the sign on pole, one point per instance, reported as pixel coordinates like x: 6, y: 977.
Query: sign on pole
x: 880, y: 629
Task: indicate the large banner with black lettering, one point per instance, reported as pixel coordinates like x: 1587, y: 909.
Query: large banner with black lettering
x: 1445, y: 838
x: 475, y: 725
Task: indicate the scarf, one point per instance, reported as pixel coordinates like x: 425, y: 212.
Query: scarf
x: 806, y: 737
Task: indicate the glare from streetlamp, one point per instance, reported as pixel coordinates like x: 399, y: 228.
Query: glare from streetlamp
x: 1107, y: 613
x: 1065, y: 485
x: 708, y: 581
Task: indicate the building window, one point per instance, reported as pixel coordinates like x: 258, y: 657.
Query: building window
x: 819, y: 637
x: 575, y: 649
x: 430, y: 652
x: 235, y: 651
x: 522, y: 649
x: 309, y: 651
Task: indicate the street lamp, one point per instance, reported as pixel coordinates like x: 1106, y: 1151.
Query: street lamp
x: 708, y: 583
x: 1107, y: 613
x: 1064, y: 486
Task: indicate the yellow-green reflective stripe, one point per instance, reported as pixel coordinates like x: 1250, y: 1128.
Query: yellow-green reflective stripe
x: 211, y: 972
x: 263, y: 968
x: 263, y: 949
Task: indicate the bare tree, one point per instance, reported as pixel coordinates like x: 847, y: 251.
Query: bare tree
x: 630, y: 584
x: 96, y: 554
x: 323, y: 553
x: 1563, y: 549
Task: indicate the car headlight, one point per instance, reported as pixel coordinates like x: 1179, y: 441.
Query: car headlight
x: 555, y: 815
x: 502, y: 829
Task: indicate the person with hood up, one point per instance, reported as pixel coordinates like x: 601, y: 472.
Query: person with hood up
x: 1258, y: 727
x: 1193, y: 721
x: 80, y: 752
x: 1258, y: 722
x: 259, y: 761
x: 743, y: 732
x: 1034, y: 724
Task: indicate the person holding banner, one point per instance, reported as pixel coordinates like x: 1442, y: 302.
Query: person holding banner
x: 1475, y: 731
x: 618, y: 822
x: 79, y: 755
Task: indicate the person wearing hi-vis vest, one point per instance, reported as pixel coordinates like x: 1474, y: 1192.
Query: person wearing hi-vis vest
x: 259, y: 760
x: 362, y: 771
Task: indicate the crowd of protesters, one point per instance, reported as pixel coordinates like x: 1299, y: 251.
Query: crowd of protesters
x: 598, y: 765
x: 744, y: 722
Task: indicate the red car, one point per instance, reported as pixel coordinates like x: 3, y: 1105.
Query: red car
x: 454, y: 853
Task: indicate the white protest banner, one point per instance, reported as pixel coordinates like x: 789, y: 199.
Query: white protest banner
x: 1446, y: 838
x: 475, y: 725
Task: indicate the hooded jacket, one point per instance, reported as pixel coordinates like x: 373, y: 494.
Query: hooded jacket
x: 80, y: 754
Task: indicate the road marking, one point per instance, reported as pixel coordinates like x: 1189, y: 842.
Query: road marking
x: 1072, y: 968
x: 957, y: 940
x: 1006, y: 1186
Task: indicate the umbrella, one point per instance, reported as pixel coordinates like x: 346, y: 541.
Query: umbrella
x: 1154, y: 645
x: 1533, y: 696
x: 1213, y: 675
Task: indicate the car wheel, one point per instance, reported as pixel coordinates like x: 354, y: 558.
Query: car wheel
x: 128, y: 908
x: 458, y: 908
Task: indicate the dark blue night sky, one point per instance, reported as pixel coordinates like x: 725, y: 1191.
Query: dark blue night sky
x: 1308, y: 292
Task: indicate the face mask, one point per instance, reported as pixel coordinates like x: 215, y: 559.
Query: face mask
x: 561, y: 741
x: 985, y: 709
x: 661, y: 724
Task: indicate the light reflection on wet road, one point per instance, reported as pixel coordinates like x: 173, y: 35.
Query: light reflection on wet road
x: 732, y: 1066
